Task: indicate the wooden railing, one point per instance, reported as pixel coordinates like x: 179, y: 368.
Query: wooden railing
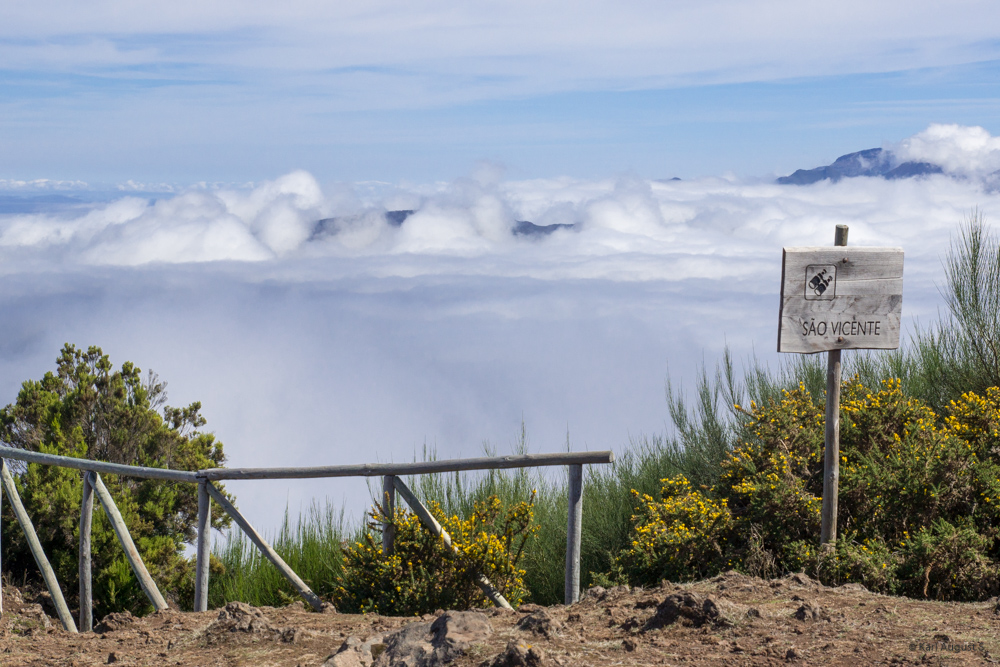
x: 207, y: 492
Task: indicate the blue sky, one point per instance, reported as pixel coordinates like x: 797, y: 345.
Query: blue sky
x: 184, y: 92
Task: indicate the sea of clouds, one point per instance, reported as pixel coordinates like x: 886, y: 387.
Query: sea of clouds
x: 317, y: 330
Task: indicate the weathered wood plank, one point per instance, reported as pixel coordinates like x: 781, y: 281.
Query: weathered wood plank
x: 886, y: 287
x: 432, y: 524
x: 128, y: 546
x: 361, y: 470
x: 265, y: 548
x: 48, y: 575
x: 97, y: 466
x: 840, y: 298
x: 837, y: 325
x: 204, y: 545
x: 86, y: 587
x: 863, y: 263
x: 573, y: 533
x: 416, y: 468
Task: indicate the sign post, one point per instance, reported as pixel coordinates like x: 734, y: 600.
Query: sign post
x: 835, y: 299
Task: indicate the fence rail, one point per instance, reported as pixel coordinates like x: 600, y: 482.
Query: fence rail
x: 391, y: 485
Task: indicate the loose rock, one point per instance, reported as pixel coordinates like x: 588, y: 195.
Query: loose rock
x: 289, y: 635
x: 114, y: 621
x: 356, y: 653
x: 810, y: 612
x: 539, y: 623
x: 240, y: 617
x: 434, y: 644
x: 517, y: 654
x: 690, y: 608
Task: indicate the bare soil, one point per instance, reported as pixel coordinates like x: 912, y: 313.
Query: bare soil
x: 731, y: 619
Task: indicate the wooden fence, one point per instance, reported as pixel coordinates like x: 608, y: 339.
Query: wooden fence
x: 207, y: 492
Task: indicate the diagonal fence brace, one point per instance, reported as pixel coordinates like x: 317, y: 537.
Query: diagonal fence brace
x: 265, y: 548
x: 432, y: 524
x: 125, y: 539
x: 36, y: 549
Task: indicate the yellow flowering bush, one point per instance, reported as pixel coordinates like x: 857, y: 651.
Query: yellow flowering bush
x: 919, y: 498
x: 677, y: 536
x: 775, y: 479
x: 423, y: 574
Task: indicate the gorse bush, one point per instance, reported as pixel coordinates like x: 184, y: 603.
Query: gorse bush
x: 677, y: 536
x: 918, y: 510
x: 423, y: 574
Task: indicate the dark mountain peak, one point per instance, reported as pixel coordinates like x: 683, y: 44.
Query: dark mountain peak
x: 397, y: 218
x: 910, y: 169
x: 332, y: 226
x: 525, y: 228
x: 869, y: 162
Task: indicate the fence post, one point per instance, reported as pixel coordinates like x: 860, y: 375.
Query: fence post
x: 204, y: 533
x: 389, y: 510
x: 36, y: 549
x: 128, y: 546
x: 573, y: 530
x: 86, y: 589
x: 831, y: 456
x: 265, y: 548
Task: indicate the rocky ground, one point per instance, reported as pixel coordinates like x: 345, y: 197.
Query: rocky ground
x: 731, y: 619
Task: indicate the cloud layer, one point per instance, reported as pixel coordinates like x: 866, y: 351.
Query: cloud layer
x: 620, y: 229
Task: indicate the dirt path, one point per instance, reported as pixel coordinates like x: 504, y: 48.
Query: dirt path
x: 729, y: 620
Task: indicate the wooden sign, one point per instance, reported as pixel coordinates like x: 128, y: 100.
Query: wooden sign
x: 840, y: 298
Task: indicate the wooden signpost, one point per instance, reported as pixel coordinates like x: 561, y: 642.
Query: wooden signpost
x: 835, y: 299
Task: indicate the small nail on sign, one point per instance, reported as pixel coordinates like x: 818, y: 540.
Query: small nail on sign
x: 840, y: 298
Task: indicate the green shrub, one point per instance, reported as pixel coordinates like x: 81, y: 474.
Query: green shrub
x: 86, y: 409
x: 946, y: 561
x: 423, y: 574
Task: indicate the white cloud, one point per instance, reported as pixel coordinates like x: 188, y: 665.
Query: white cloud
x: 440, y: 50
x: 958, y: 149
x: 193, y: 227
x: 280, y: 213
x: 200, y: 225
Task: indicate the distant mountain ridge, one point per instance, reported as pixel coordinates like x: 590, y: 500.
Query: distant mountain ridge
x: 869, y: 162
x: 332, y: 226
